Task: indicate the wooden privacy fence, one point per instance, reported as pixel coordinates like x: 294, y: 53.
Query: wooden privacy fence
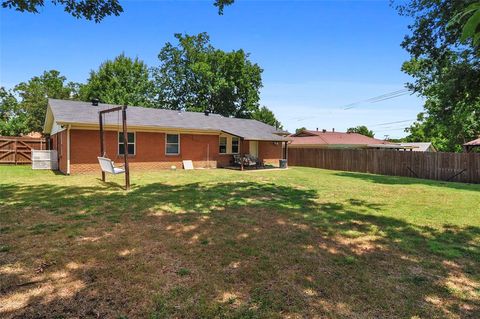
x: 18, y: 150
x: 457, y: 167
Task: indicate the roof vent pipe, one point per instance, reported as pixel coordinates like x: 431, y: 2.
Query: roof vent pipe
x: 317, y: 129
x: 324, y: 131
x: 206, y: 112
x: 333, y: 130
x: 95, y: 102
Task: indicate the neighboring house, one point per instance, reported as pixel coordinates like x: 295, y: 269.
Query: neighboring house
x: 156, y: 138
x: 420, y: 146
x: 469, y: 146
x: 325, y: 139
x: 34, y: 135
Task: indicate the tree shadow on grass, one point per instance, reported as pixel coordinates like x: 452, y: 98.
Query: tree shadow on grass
x: 399, y: 180
x: 239, y: 249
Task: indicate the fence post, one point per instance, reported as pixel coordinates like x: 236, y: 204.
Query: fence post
x: 15, y: 152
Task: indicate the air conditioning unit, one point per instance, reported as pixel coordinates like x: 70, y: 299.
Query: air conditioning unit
x: 44, y: 160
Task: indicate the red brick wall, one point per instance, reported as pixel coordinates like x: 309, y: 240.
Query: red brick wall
x: 150, y: 151
x: 224, y: 160
x: 269, y: 152
x: 245, y: 147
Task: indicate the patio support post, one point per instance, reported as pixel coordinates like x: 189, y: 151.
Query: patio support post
x: 100, y: 121
x: 285, y: 152
x: 242, y: 154
x: 68, y: 148
x: 125, y: 147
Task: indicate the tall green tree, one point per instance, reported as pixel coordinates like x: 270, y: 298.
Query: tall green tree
x: 95, y: 10
x: 446, y: 71
x: 122, y: 80
x: 470, y: 18
x: 195, y: 76
x: 34, y: 96
x: 425, y: 129
x: 361, y: 129
x: 8, y: 104
x: 265, y: 115
x: 300, y: 129
x: 12, y: 119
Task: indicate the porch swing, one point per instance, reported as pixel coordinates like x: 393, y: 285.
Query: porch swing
x: 106, y: 164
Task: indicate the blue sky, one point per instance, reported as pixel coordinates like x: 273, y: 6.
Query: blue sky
x: 317, y: 56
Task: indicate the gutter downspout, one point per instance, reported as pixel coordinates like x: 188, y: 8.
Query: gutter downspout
x: 68, y: 148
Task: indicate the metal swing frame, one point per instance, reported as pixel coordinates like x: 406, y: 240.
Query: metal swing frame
x: 123, y: 109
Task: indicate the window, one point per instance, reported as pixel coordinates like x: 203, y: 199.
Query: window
x: 235, y: 145
x: 223, y: 145
x: 172, y: 144
x: 130, y: 143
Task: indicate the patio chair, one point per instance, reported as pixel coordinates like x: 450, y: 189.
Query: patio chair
x: 253, y: 161
x: 259, y: 163
x: 237, y: 160
x: 108, y: 166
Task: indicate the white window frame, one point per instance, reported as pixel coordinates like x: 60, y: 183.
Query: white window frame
x: 231, y: 145
x: 166, y: 144
x: 128, y: 143
x: 226, y: 144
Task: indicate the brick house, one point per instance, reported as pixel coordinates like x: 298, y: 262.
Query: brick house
x: 157, y: 139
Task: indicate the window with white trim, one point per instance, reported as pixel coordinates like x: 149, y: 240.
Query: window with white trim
x: 235, y: 145
x: 172, y: 144
x: 222, y: 145
x: 130, y: 143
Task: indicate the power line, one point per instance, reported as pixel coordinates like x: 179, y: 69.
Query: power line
x: 301, y: 119
x: 390, y: 97
x: 392, y: 129
x: 377, y: 98
x: 388, y: 123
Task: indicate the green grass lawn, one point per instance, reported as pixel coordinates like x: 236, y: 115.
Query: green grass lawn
x: 297, y: 243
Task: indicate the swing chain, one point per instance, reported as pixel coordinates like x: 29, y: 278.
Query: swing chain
x: 103, y: 140
x: 118, y: 132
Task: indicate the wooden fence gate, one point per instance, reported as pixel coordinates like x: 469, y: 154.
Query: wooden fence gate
x: 456, y: 167
x: 18, y: 150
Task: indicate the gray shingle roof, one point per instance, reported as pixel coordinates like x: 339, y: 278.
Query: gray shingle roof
x: 65, y: 111
x: 418, y: 146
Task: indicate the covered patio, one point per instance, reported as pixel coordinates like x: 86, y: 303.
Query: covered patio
x: 256, y: 154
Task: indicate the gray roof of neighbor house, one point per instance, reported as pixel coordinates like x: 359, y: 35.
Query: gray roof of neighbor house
x: 65, y: 111
x: 473, y: 143
x: 420, y: 146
